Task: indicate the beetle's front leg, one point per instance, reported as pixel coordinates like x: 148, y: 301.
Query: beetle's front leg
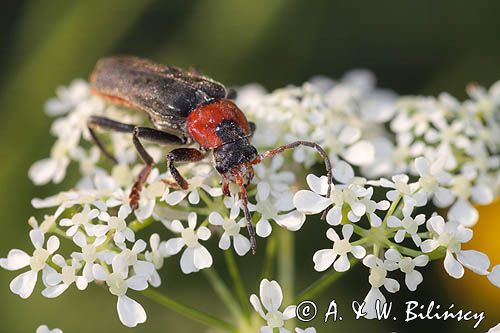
x: 182, y: 155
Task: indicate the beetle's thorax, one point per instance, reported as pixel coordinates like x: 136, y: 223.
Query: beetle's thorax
x: 217, y: 123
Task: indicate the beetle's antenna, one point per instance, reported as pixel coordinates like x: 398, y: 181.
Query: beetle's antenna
x: 295, y: 144
x: 248, y: 217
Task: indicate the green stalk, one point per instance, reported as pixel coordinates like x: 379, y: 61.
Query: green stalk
x: 137, y: 225
x: 286, y: 264
x: 237, y: 281
x: 267, y: 271
x: 322, y: 283
x: 187, y: 311
x: 223, y: 292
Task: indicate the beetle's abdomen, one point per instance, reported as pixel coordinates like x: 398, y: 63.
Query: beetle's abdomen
x: 215, y: 124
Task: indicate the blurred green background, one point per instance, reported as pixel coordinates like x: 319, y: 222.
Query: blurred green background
x: 413, y: 47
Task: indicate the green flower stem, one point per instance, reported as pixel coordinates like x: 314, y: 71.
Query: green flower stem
x: 391, y: 210
x: 237, y: 281
x: 223, y: 292
x: 403, y: 250
x: 286, y: 264
x: 317, y: 287
x: 187, y: 311
x: 137, y: 225
x: 269, y: 261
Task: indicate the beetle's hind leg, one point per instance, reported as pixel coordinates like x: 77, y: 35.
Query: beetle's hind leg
x: 138, y: 133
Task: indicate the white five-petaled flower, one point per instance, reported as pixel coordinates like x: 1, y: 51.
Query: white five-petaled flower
x: 129, y: 257
x: 400, y: 187
x: 118, y: 281
x: 407, y: 265
x: 195, y: 257
x: 46, y: 329
x: 408, y: 225
x: 81, y: 219
x: 116, y: 224
x: 231, y: 230
x: 377, y: 279
x: 313, y: 202
x: 196, y: 183
x: 24, y: 283
x: 451, y: 235
x: 337, y: 255
x: 271, y: 297
x: 59, y: 282
x: 88, y: 255
x: 432, y: 178
x: 270, y: 207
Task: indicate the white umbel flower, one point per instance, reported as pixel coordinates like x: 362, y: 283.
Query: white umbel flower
x: 24, y: 283
x: 377, y: 279
x: 118, y: 281
x: 407, y: 265
x: 232, y: 229
x: 408, y: 225
x: 271, y: 298
x: 337, y: 255
x: 451, y: 235
x: 116, y: 224
x: 59, y: 282
x: 195, y: 257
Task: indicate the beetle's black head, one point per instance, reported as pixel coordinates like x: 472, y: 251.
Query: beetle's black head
x: 236, y: 149
x: 233, y: 154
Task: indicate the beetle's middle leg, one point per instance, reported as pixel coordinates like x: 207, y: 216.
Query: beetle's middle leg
x: 138, y: 133
x: 182, y: 155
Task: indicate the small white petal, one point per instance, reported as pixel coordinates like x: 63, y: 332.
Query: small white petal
x: 215, y: 218
x: 413, y: 279
x: 202, y: 258
x: 37, y: 238
x: 271, y: 295
x: 254, y: 300
x: 289, y: 312
x: 263, y: 228
x: 203, y: 233
x: 342, y: 264
x: 174, y: 245
x: 494, y: 276
x: 16, y: 259
x: 334, y: 216
x: 292, y: 221
x: 24, y: 284
x: 309, y: 202
x: 187, y: 261
x: 452, y: 266
x: 391, y: 285
x: 475, y: 261
x: 224, y: 242
x: 429, y: 245
x: 358, y: 251
x: 52, y: 292
x: 130, y: 312
x: 323, y: 259
x: 241, y: 245
x: 137, y: 283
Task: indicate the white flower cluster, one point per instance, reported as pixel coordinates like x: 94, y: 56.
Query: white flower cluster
x: 438, y: 150
x: 344, y: 117
x: 388, y: 239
